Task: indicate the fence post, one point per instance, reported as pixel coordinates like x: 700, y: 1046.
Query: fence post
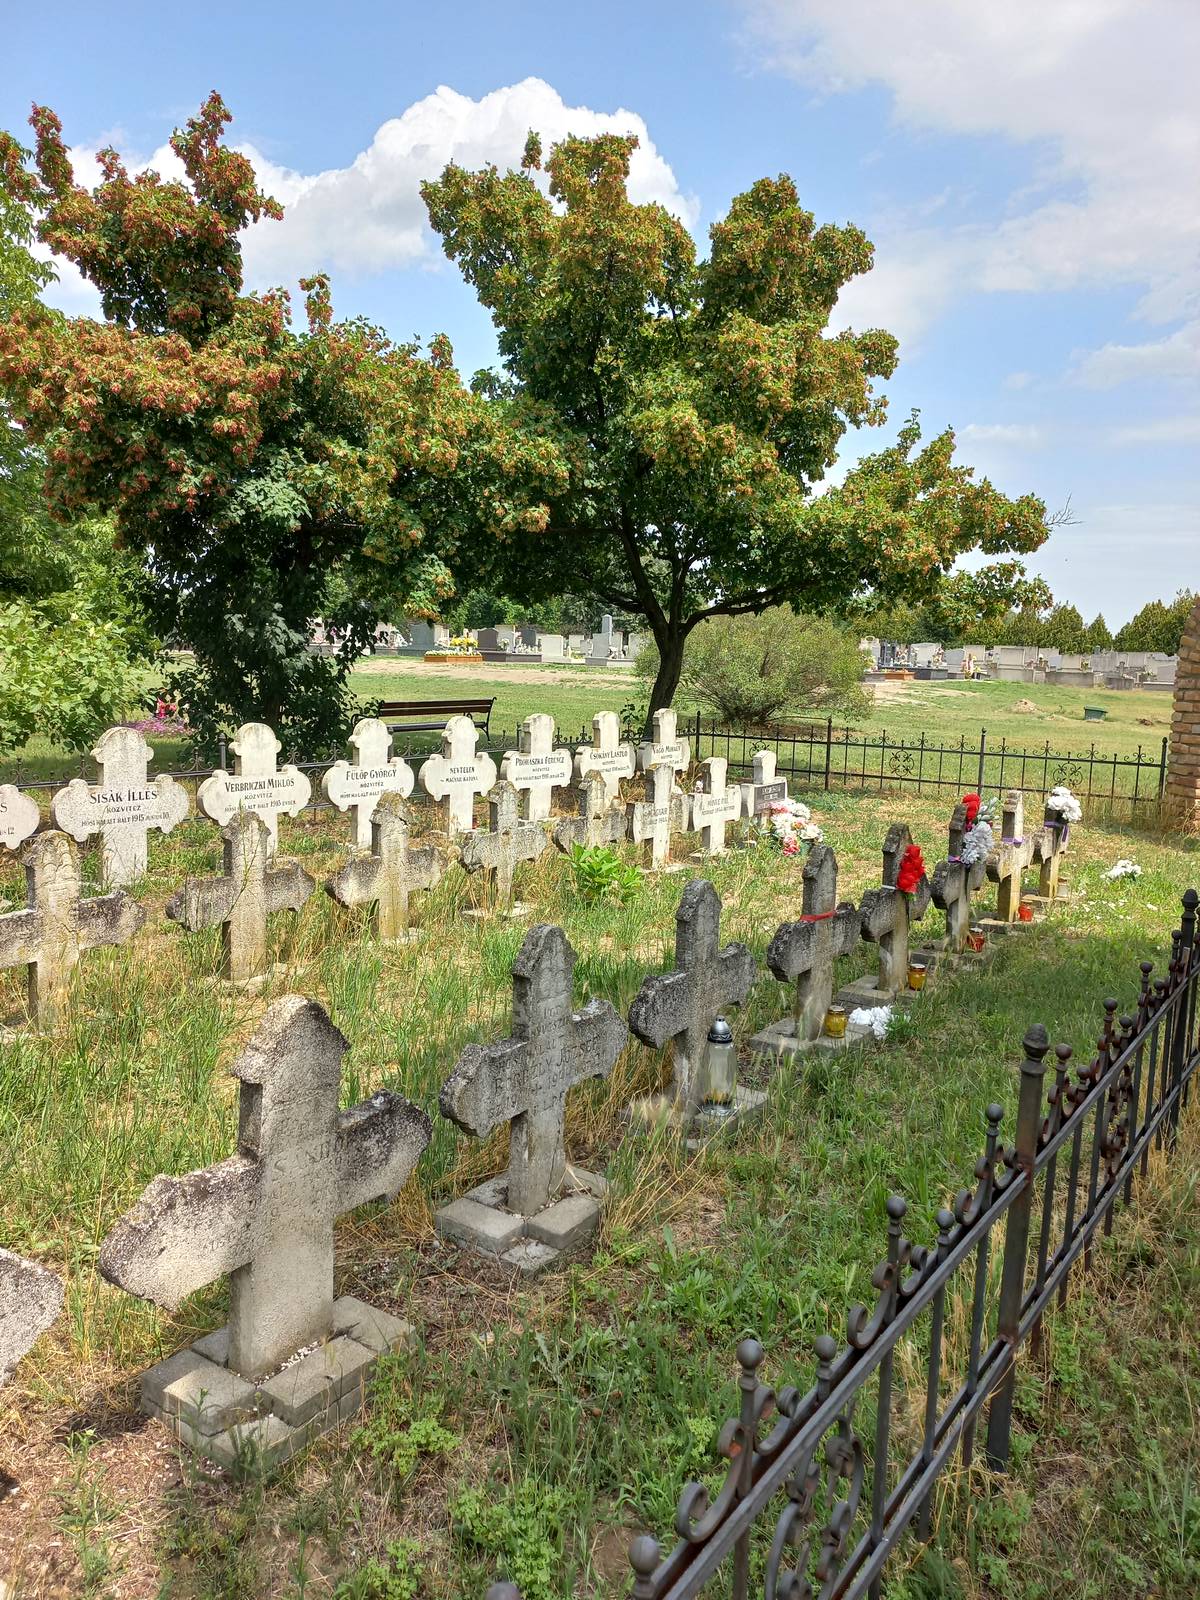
x: 1016, y: 1242
x: 1162, y: 769
x: 828, y: 748
x: 697, y: 744
x: 982, y: 753
x: 221, y: 755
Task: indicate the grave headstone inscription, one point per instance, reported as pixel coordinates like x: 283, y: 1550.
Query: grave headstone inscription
x: 265, y: 1217
x: 665, y: 748
x: 803, y: 953
x: 653, y: 820
x: 252, y: 888
x: 458, y: 774
x: 393, y: 871
x: 887, y: 914
x: 122, y: 807
x: 30, y: 1299
x: 1009, y: 861
x: 256, y: 783
x: 764, y: 789
x: 542, y: 1208
x: 716, y: 803
x: 507, y: 842
x: 536, y: 768
x: 600, y: 821
x: 356, y: 785
x: 681, y: 1006
x: 59, y: 925
x: 954, y: 882
x: 19, y: 816
x: 606, y: 754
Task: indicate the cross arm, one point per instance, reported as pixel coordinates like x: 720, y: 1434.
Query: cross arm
x: 600, y: 1036
x: 946, y: 884
x: 426, y: 867
x: 485, y: 1088
x: 21, y: 935
x: 287, y: 886
x: 378, y: 1145
x: 357, y: 883
x: 791, y: 950
x: 660, y: 1008
x: 738, y: 971
x: 109, y: 919
x: 877, y: 913
x: 201, y: 903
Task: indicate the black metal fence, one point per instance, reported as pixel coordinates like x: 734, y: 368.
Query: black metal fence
x: 823, y: 1486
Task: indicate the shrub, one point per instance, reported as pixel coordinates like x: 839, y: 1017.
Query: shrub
x: 600, y: 874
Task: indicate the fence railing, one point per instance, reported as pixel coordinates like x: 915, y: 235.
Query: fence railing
x: 822, y: 1486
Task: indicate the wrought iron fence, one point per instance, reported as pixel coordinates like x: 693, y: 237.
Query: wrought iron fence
x: 814, y: 1499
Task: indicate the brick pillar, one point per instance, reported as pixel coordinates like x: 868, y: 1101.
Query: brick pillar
x: 1183, y: 772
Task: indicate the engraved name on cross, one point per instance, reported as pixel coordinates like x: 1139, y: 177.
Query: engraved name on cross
x: 356, y: 785
x: 606, y: 754
x: 536, y: 768
x: 652, y: 821
x: 256, y: 783
x: 123, y: 807
x: 458, y: 774
x: 715, y: 804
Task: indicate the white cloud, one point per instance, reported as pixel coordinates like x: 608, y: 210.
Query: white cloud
x: 1177, y: 356
x: 1021, y: 435
x: 1164, y: 430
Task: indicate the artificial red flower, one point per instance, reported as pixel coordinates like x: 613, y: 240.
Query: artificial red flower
x: 912, y: 869
x: 972, y: 803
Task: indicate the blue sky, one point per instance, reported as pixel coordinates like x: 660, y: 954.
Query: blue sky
x: 1027, y: 171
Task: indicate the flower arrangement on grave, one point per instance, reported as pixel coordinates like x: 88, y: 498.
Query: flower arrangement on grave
x: 978, y: 843
x: 1061, y: 799
x: 912, y: 869
x: 788, y: 826
x: 1124, y: 868
x: 876, y: 1018
x: 463, y: 645
x: 167, y: 718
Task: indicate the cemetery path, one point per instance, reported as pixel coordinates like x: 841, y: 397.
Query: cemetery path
x: 533, y: 672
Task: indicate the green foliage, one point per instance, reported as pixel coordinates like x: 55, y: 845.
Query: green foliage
x: 398, y: 1433
x: 396, y: 1577
x: 519, y: 1530
x: 600, y: 874
x: 1158, y: 626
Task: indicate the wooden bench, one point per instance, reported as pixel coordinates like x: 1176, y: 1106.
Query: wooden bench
x: 398, y: 713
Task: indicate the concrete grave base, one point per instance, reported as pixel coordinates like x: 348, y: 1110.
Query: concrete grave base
x: 665, y: 870
x: 866, y: 992
x: 515, y: 913
x: 481, y: 1221
x: 658, y: 1111
x: 995, y: 929
x: 779, y: 1040
x: 234, y: 1421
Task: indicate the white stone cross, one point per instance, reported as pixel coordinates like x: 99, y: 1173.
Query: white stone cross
x: 954, y: 883
x: 265, y: 1216
x: 256, y: 783
x: 458, y: 774
x: 600, y: 821
x: 888, y: 912
x: 764, y: 789
x: 252, y: 889
x: 19, y: 816
x: 30, y: 1299
x: 1014, y: 851
x: 507, y: 842
x: 59, y: 925
x: 714, y: 805
x: 682, y: 1005
x: 537, y: 768
x: 122, y: 807
x: 804, y: 952
x: 652, y: 821
x: 392, y: 871
x: 525, y: 1080
x: 606, y: 754
x: 665, y: 749
x: 356, y: 785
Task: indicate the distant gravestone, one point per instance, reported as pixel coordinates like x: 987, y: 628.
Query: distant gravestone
x: 458, y: 774
x: 356, y: 785
x: 256, y: 784
x: 525, y: 1081
x: 764, y: 789
x: 681, y: 1006
x: 715, y: 804
x: 392, y: 872
x: 59, y: 925
x: 600, y: 821
x: 665, y: 748
x: 30, y: 1300
x: 507, y: 842
x: 606, y: 754
x: 123, y: 807
x: 265, y: 1217
x: 1010, y: 860
x: 488, y: 639
x: 803, y: 953
x: 954, y: 882
x: 653, y: 820
x: 19, y: 816
x: 240, y: 902
x: 536, y: 768
x: 887, y: 915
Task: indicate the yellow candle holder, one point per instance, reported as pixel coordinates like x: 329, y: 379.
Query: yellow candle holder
x: 917, y: 973
x: 835, y: 1022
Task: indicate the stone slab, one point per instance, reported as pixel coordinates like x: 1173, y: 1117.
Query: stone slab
x: 567, y: 1224
x: 479, y: 1227
x: 712, y: 1120
x: 779, y: 1040
x: 531, y: 1257
x: 367, y: 1325
x: 312, y: 1386
x: 260, y: 1445
x: 204, y: 1397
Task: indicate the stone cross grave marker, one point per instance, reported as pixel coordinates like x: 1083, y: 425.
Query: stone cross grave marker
x: 122, y: 807
x: 954, y: 883
x: 525, y: 1080
x: 507, y: 842
x: 652, y: 821
x: 665, y: 749
x: 30, y: 1299
x: 251, y: 889
x: 764, y: 789
x: 1008, y: 861
x: 356, y: 785
x: 256, y: 783
x: 19, y: 816
x: 392, y: 871
x: 1049, y: 847
x: 887, y: 914
x: 265, y: 1217
x: 536, y: 768
x: 682, y: 1005
x: 600, y: 821
x: 606, y: 754
x: 458, y: 774
x: 716, y: 803
x: 803, y: 952
x: 59, y: 925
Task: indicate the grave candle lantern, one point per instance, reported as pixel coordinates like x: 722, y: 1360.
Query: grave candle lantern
x: 916, y: 973
x: 835, y: 1022
x: 720, y: 1064
x: 976, y: 939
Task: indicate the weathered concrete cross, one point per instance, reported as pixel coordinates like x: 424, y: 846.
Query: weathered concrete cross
x: 764, y: 788
x: 682, y: 1005
x: 251, y: 890
x: 666, y: 749
x: 390, y: 873
x: 1007, y: 863
x: 19, y: 816
x: 30, y: 1299
x: 888, y: 912
x: 525, y: 1080
x: 715, y: 804
x: 507, y: 842
x: 123, y: 807
x: 537, y: 768
x: 1049, y: 847
x: 954, y: 883
x: 59, y: 925
x: 652, y: 821
x: 606, y: 754
x: 356, y: 785
x: 458, y: 774
x: 265, y: 1216
x: 256, y: 783
x: 600, y: 820
x: 804, y: 952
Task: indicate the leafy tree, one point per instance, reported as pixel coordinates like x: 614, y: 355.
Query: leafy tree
x: 699, y: 403
x: 963, y: 608
x: 1064, y: 630
x: 1096, y: 634
x: 1157, y: 626
x: 265, y: 476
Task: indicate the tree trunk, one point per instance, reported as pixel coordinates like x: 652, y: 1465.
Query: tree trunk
x: 670, y: 666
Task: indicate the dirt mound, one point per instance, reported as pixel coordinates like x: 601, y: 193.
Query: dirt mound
x: 1026, y: 705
